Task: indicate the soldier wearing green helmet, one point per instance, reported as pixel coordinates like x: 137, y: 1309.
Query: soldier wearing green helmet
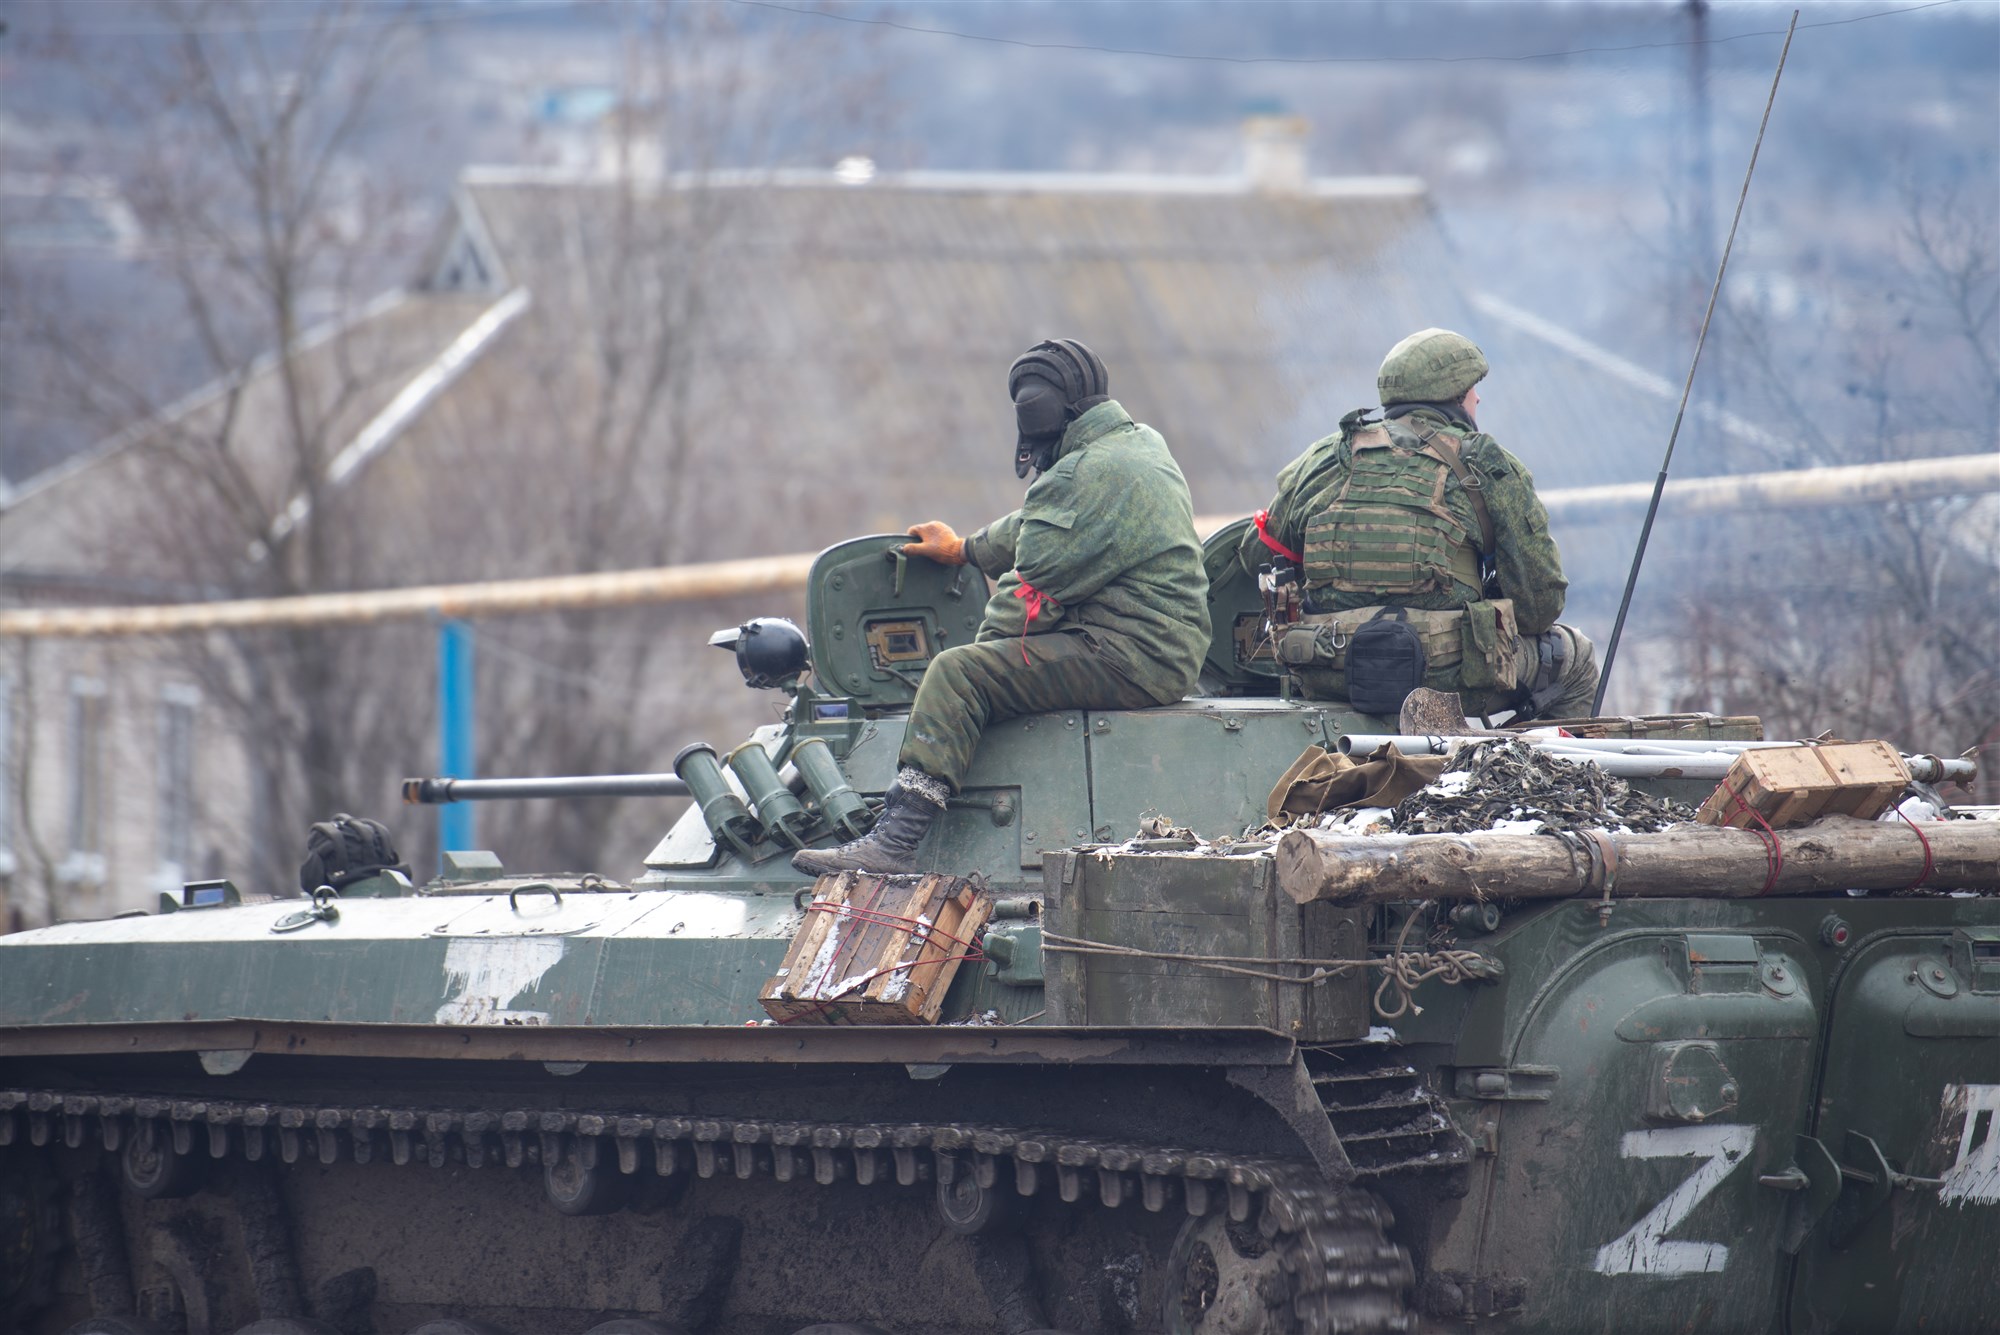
x: 1424, y: 552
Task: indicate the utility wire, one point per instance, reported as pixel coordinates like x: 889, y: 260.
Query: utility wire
x: 1687, y: 389
x: 1321, y: 60
x: 372, y: 17
x: 541, y: 667
x: 459, y: 14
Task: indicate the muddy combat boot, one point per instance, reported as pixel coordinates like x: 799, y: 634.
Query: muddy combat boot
x: 890, y: 849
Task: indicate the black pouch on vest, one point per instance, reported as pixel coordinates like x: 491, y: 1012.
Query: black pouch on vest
x: 1385, y: 662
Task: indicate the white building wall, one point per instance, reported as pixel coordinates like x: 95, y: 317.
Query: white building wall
x: 162, y: 800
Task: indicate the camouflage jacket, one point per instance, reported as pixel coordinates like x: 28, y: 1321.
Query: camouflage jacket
x: 1525, y: 560
x: 1107, y: 536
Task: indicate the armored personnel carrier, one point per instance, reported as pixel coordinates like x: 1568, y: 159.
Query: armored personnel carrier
x: 1171, y: 1087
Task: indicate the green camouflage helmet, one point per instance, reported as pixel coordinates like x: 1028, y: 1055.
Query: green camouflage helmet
x: 1430, y: 366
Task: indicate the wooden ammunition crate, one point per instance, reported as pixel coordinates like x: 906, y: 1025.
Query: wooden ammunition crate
x: 1160, y: 913
x: 1792, y: 785
x: 877, y: 949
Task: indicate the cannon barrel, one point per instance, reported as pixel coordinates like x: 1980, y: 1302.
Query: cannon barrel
x: 436, y: 792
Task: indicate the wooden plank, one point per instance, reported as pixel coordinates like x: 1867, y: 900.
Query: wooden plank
x: 780, y: 996
x: 890, y: 946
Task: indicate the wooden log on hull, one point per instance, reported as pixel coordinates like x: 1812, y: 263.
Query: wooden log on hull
x: 1836, y: 853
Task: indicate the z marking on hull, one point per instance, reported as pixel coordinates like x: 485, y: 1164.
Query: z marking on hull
x: 1644, y: 1248
x: 1974, y: 1176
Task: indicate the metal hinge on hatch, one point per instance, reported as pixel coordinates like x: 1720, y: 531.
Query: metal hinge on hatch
x: 1728, y: 963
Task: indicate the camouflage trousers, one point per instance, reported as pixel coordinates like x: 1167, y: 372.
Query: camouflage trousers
x: 1557, y: 672
x: 971, y: 685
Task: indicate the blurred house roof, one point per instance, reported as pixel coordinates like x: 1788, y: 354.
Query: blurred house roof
x: 863, y: 318
x: 355, y: 371
x: 878, y: 319
x: 839, y: 343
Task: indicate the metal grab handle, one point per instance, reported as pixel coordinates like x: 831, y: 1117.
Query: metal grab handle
x: 324, y: 909
x: 513, y: 896
x: 1814, y: 1178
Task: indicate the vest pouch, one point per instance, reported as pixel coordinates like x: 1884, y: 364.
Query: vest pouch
x: 1313, y: 651
x: 1492, y: 647
x: 1385, y: 662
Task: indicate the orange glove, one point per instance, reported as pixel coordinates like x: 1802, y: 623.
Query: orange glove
x: 935, y: 539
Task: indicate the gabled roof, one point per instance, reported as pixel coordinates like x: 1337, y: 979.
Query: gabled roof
x: 857, y: 321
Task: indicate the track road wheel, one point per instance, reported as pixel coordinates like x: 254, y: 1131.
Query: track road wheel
x: 574, y: 1189
x: 968, y: 1208
x: 149, y: 1166
x: 1223, y: 1278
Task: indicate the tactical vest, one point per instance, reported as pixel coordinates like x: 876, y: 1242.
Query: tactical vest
x: 1391, y: 531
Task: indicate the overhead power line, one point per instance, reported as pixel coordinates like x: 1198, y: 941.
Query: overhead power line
x: 1317, y: 60
x: 373, y: 17
x: 465, y: 13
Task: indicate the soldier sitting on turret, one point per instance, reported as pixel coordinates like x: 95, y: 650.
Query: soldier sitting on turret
x: 1102, y: 602
x: 1422, y: 519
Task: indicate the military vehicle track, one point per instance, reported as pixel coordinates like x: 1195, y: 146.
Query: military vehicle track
x: 1341, y: 1275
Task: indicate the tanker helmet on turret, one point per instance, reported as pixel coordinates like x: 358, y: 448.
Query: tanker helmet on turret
x: 770, y: 652
x: 1430, y: 366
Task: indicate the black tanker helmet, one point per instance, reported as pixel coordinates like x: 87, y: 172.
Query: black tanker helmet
x: 1052, y: 384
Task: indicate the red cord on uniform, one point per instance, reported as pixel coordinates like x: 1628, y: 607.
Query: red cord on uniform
x: 1034, y: 598
x: 1262, y: 518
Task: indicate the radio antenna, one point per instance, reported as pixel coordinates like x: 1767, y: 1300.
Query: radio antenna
x: 1660, y: 483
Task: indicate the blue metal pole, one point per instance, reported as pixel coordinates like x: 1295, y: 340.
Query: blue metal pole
x: 456, y: 829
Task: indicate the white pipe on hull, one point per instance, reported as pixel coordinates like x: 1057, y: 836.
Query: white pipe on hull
x: 1632, y: 759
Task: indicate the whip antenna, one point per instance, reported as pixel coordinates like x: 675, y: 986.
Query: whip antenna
x: 1659, y: 483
